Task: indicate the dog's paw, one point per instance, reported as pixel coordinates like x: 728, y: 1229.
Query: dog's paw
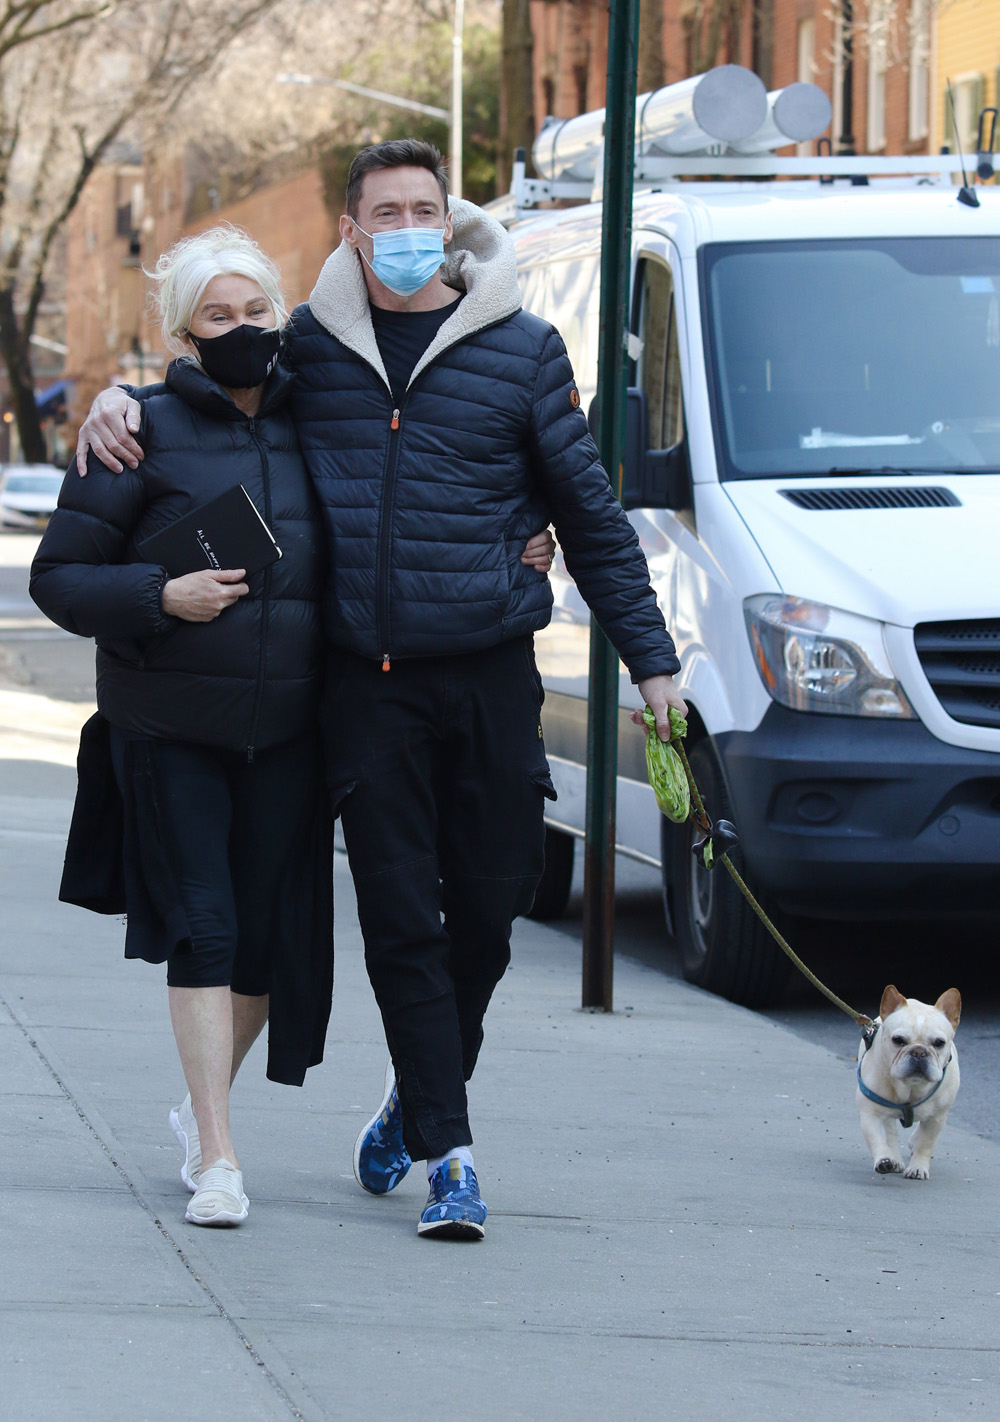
x: 888, y: 1166
x: 916, y: 1172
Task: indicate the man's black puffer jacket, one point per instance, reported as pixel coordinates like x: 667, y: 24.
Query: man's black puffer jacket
x: 247, y: 679
x: 427, y: 509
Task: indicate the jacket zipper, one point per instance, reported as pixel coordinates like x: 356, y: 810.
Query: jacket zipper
x: 265, y: 603
x: 388, y: 495
x: 385, y: 535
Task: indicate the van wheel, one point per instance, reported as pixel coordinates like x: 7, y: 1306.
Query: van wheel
x: 552, y: 894
x: 724, y: 946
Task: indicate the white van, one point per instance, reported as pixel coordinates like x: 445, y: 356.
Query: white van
x: 814, y: 474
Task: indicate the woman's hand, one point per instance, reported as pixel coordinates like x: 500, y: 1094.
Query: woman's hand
x: 539, y: 551
x: 200, y: 597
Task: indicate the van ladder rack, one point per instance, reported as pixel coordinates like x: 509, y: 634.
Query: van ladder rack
x: 527, y: 193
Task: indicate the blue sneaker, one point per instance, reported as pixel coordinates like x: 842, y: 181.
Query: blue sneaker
x: 454, y: 1209
x: 380, y: 1157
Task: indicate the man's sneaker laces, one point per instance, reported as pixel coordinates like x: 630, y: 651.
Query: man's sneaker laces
x: 454, y: 1209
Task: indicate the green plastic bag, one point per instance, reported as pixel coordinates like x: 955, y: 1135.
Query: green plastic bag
x: 663, y: 766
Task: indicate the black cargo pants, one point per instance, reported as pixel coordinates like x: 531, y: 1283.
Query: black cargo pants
x: 438, y: 771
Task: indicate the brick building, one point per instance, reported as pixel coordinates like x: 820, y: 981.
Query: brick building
x: 104, y: 283
x: 571, y: 54
x: 875, y: 54
x: 885, y: 61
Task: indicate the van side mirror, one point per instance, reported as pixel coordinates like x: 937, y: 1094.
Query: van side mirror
x: 667, y: 479
x: 651, y: 478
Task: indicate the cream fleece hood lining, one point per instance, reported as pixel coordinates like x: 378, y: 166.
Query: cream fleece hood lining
x: 479, y: 260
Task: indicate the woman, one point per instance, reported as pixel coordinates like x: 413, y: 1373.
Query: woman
x: 207, y: 688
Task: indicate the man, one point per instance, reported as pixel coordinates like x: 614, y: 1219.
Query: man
x: 441, y: 426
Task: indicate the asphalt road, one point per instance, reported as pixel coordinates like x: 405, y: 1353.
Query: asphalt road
x: 35, y: 655
x: 856, y: 961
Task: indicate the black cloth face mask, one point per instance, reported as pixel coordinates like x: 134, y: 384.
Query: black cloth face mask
x: 239, y: 359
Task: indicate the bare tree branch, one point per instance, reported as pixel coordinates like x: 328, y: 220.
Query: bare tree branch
x: 74, y: 77
x: 16, y: 20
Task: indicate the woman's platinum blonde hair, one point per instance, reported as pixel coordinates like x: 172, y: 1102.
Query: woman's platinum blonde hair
x: 185, y: 269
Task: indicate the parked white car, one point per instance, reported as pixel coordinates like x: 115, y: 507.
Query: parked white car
x: 814, y: 476
x: 28, y: 494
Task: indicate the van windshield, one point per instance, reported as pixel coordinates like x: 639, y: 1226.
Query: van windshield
x: 847, y: 356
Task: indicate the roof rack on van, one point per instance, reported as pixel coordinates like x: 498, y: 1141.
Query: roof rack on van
x: 722, y: 124
x: 527, y: 194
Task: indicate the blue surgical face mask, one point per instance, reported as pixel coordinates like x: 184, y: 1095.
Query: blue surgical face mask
x: 406, y: 258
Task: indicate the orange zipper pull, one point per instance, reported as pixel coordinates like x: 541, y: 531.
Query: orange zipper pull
x: 385, y: 661
x: 395, y: 420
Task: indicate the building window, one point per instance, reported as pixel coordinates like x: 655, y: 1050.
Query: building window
x: 580, y: 77
x: 806, y: 66
x: 807, y: 51
x: 837, y: 122
x: 920, y: 57
x: 877, y: 65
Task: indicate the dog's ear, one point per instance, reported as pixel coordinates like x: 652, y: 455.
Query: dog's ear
x: 950, y: 1003
x: 891, y: 999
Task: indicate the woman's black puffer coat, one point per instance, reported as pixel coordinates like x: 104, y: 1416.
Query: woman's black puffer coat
x: 250, y: 678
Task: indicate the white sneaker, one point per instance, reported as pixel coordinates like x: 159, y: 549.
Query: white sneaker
x: 219, y: 1198
x: 185, y: 1128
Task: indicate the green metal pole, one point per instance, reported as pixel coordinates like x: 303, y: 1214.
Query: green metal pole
x: 612, y: 375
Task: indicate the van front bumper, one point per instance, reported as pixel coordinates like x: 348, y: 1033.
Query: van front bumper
x: 852, y: 818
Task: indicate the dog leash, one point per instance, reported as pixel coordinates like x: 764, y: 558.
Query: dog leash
x: 719, y: 839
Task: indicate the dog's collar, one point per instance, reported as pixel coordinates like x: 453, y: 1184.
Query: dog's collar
x: 905, y: 1109
x: 871, y: 1032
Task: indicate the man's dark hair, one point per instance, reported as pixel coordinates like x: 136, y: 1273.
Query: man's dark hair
x: 394, y: 153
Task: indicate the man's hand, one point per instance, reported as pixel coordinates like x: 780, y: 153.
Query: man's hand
x: 659, y: 694
x: 539, y: 551
x: 108, y: 431
x: 200, y: 597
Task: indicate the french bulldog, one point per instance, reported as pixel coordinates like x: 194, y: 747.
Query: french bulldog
x: 911, y: 1068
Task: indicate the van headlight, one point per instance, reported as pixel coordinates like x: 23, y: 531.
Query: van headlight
x: 816, y: 658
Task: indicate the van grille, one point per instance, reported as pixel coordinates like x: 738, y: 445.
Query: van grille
x: 961, y: 660
x: 914, y: 497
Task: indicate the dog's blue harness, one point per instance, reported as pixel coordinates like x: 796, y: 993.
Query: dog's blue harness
x: 905, y: 1109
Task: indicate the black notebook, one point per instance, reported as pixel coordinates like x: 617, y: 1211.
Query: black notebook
x: 227, y: 532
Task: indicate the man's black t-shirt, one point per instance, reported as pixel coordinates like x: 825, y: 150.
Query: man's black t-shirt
x: 402, y: 338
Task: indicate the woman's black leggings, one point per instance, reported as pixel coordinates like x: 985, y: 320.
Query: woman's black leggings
x: 228, y: 828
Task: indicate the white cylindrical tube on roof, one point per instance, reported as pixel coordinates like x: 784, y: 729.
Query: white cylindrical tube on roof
x: 725, y: 105
x: 570, y: 148
x: 795, y: 114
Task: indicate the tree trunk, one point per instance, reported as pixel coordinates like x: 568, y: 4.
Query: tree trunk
x: 517, y: 99
x: 734, y: 33
x: 651, y: 67
x: 716, y: 20
x: 16, y: 355
x: 693, y: 23
x: 763, y: 41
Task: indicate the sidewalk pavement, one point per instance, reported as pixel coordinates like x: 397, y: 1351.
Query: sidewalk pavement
x: 684, y: 1222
